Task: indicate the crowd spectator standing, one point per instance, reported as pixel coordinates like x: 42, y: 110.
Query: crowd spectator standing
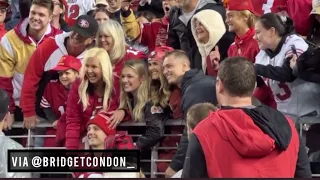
x: 252, y: 135
x: 17, y: 47
x: 186, y: 42
x: 5, y: 142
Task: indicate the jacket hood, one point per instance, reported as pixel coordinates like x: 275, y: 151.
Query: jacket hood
x: 253, y: 132
x: 214, y: 24
x: 21, y: 31
x: 190, y: 77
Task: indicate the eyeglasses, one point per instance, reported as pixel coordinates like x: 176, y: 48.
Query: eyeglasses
x: 3, y: 10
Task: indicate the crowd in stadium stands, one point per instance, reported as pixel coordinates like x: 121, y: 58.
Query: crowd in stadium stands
x: 238, y: 72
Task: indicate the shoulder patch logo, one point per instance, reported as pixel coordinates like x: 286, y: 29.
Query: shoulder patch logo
x: 156, y: 110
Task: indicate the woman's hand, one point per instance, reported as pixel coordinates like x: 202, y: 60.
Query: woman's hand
x: 215, y: 58
x: 116, y: 118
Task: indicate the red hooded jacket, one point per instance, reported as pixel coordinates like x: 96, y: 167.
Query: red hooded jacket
x: 235, y: 147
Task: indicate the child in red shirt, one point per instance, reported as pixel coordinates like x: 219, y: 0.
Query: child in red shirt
x: 54, y: 99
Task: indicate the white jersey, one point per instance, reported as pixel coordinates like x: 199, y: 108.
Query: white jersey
x: 77, y: 8
x: 299, y: 97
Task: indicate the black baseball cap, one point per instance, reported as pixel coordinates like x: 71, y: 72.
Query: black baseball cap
x: 4, y: 104
x: 86, y: 26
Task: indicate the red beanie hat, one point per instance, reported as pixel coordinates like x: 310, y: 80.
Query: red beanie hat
x: 240, y: 5
x: 101, y: 121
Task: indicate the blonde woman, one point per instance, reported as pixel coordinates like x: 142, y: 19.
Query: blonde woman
x: 135, y: 97
x: 111, y: 38
x: 92, y: 93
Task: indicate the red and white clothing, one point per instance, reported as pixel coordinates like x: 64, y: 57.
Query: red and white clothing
x: 155, y: 34
x: 298, y: 97
x: 248, y: 47
x: 46, y: 57
x: 54, y: 98
x: 77, y: 8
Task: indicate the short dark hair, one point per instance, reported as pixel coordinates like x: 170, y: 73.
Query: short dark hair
x: 199, y: 112
x: 4, y: 104
x: 44, y: 3
x: 238, y: 76
x: 146, y: 14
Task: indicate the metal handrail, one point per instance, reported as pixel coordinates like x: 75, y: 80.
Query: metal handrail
x: 45, y: 124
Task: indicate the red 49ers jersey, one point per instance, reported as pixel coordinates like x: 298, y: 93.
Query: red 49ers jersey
x: 267, y: 6
x: 55, y: 97
x: 77, y: 8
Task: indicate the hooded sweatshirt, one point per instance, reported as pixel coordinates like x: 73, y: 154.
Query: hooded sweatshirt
x: 213, y: 23
x: 250, y: 142
x: 15, y: 51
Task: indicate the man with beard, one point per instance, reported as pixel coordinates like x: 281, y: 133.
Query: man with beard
x: 16, y: 48
x: 46, y: 57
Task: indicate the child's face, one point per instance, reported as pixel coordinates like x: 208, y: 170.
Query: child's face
x: 67, y: 77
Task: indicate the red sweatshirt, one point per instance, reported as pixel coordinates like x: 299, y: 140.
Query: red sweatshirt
x: 46, y: 57
x: 235, y: 147
x: 245, y: 46
x: 77, y: 117
x: 54, y: 98
x: 155, y: 34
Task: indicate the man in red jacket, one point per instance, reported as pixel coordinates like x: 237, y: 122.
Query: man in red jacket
x: 46, y: 57
x: 243, y: 140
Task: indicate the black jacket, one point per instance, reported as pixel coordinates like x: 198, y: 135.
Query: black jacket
x: 180, y: 36
x: 271, y: 122
x: 155, y: 121
x: 195, y: 88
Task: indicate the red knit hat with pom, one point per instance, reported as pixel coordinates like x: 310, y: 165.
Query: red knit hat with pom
x: 101, y: 121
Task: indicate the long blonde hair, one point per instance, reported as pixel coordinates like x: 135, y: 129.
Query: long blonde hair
x: 142, y: 93
x: 159, y: 91
x: 114, y: 29
x: 107, y: 75
x: 251, y: 18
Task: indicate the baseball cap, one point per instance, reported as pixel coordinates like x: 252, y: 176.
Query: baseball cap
x: 68, y: 62
x: 4, y: 3
x: 159, y: 52
x: 86, y: 26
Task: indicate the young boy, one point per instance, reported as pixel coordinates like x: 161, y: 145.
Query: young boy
x: 55, y: 95
x: 195, y: 115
